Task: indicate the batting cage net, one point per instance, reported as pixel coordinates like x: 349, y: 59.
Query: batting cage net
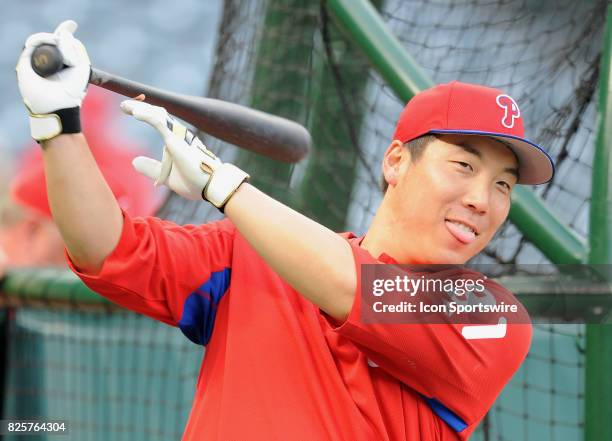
x: 114, y: 372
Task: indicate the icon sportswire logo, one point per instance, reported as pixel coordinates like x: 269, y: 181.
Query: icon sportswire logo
x: 511, y: 110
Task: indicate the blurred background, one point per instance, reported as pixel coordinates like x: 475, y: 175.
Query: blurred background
x: 146, y: 41
x: 115, y: 375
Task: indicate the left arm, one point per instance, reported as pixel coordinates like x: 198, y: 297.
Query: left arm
x: 314, y: 260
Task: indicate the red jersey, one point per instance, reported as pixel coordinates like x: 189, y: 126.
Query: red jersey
x: 277, y: 368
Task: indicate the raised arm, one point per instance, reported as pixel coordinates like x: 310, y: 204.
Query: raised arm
x: 314, y: 260
x: 82, y: 204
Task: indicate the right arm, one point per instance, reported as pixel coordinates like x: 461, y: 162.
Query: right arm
x: 174, y: 274
x: 83, y: 206
x: 177, y: 275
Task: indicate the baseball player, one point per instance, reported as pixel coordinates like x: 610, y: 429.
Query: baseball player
x: 275, y: 297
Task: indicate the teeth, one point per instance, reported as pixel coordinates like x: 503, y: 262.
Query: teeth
x: 464, y: 227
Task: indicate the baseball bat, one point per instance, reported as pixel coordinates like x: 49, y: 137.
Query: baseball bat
x: 269, y: 135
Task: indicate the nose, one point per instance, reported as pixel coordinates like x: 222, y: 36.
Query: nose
x: 476, y: 196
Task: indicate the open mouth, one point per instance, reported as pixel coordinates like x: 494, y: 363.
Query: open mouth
x: 461, y: 231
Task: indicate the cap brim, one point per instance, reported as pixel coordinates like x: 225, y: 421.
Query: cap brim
x: 535, y: 165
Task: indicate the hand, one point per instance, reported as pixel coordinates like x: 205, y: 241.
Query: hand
x: 187, y: 166
x: 54, y: 102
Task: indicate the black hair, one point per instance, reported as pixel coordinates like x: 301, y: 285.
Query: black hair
x: 417, y: 147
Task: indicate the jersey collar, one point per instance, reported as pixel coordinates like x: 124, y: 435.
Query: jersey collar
x: 384, y: 257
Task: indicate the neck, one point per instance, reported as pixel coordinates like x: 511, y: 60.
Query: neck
x: 379, y: 238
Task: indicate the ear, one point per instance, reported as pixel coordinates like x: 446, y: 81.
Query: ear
x: 395, y: 155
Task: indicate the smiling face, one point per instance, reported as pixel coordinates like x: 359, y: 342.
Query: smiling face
x: 446, y: 206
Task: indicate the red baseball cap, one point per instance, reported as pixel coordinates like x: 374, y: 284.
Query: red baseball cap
x: 470, y: 109
x: 133, y: 191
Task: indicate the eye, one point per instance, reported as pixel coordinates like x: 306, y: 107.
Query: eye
x: 504, y: 185
x: 464, y: 165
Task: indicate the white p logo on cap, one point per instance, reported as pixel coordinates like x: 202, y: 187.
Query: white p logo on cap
x: 511, y: 110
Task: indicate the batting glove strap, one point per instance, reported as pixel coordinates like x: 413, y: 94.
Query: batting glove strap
x: 223, y: 183
x: 44, y: 127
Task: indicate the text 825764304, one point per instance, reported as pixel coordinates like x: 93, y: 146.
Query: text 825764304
x: 30, y: 426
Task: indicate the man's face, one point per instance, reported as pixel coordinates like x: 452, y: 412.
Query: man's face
x: 449, y: 203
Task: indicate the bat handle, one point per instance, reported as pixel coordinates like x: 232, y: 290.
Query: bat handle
x: 47, y: 60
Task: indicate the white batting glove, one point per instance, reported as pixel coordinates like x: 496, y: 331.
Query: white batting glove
x: 54, y: 102
x: 187, y: 166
